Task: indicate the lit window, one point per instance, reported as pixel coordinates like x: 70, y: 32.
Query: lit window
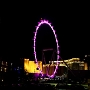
x: 11, y: 64
x: 5, y: 69
x: 1, y: 68
x: 85, y: 55
x: 6, y: 63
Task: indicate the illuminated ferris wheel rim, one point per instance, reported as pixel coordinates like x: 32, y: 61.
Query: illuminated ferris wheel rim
x: 35, y: 34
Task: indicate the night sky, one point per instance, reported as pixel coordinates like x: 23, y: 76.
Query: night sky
x: 71, y: 22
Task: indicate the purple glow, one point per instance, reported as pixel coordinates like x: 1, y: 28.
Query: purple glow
x: 35, y: 55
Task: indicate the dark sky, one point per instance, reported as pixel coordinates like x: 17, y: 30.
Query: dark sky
x: 71, y: 22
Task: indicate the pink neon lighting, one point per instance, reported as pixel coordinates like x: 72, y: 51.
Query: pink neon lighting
x: 35, y: 55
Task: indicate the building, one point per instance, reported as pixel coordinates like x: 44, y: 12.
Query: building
x: 3, y: 66
x: 73, y: 68
x: 31, y: 66
x: 73, y: 64
x: 9, y: 72
x: 87, y: 60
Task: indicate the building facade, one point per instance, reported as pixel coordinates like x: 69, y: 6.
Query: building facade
x: 63, y: 66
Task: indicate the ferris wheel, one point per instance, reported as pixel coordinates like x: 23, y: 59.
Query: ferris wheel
x: 35, y: 53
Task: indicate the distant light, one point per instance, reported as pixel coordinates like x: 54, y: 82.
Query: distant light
x: 41, y: 18
x: 11, y: 64
x: 85, y: 55
x: 2, y: 80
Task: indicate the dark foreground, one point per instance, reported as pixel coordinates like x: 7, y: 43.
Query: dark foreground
x: 42, y: 86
